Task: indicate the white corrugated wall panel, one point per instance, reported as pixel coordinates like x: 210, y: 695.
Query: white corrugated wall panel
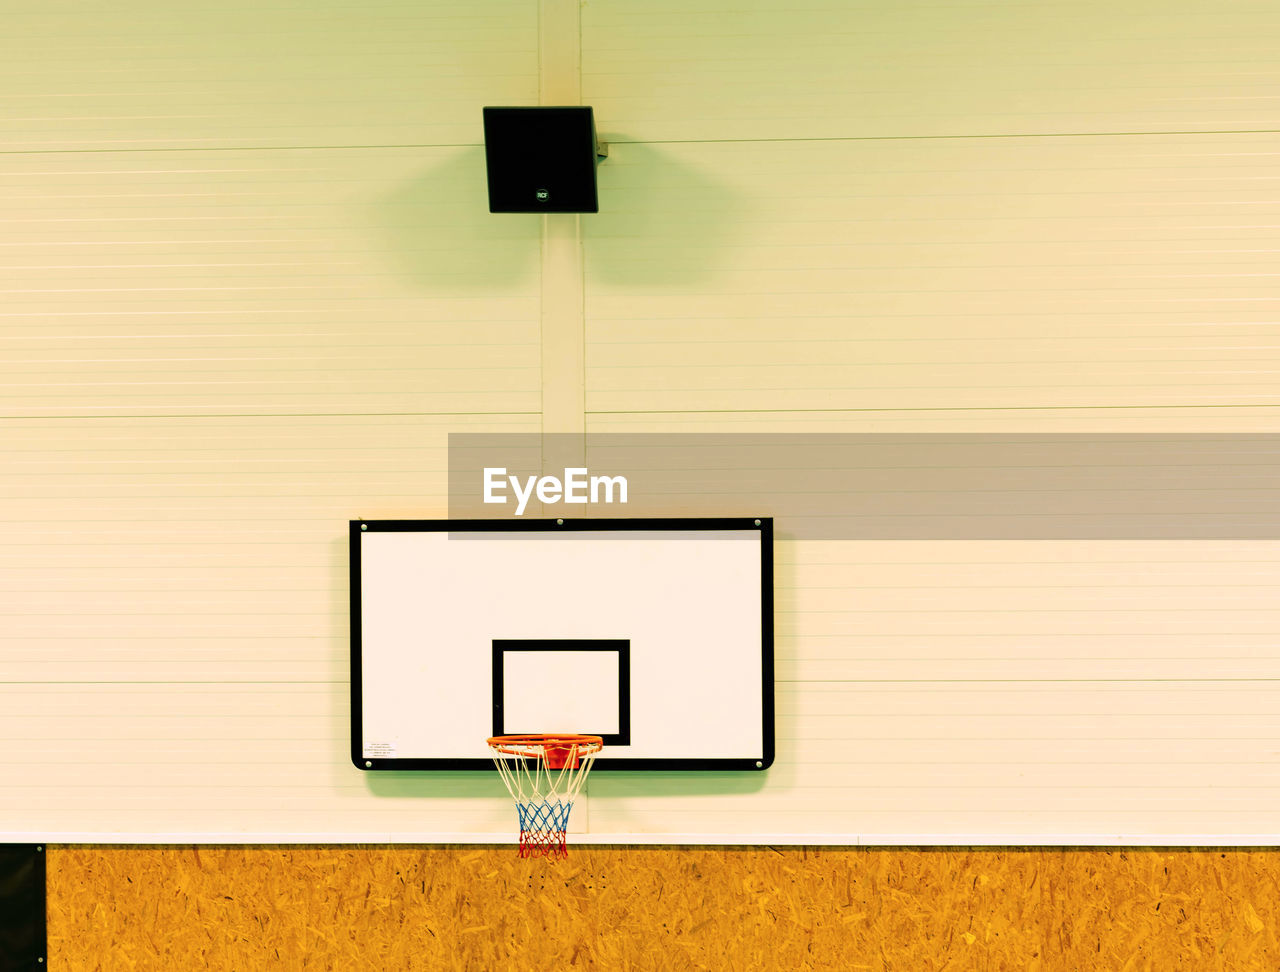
x: 904, y: 275
x: 708, y: 70
x: 970, y: 218
x: 143, y: 75
x: 248, y: 286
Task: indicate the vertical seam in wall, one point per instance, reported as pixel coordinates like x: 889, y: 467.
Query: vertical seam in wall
x: 561, y: 317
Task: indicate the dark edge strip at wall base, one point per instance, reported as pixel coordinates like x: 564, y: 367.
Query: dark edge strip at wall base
x: 23, y: 927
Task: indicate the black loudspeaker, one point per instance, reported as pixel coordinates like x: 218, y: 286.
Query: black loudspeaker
x: 541, y: 160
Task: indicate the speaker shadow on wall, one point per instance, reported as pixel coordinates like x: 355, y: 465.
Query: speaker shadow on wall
x: 440, y: 237
x: 664, y: 220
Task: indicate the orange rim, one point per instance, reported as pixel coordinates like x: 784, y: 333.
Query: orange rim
x: 532, y: 744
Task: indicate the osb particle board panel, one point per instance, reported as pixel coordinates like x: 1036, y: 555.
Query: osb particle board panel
x: 661, y: 908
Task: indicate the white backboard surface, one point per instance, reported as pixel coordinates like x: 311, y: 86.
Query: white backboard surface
x: 656, y: 634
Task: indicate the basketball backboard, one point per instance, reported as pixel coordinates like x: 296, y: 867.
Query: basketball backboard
x: 655, y: 634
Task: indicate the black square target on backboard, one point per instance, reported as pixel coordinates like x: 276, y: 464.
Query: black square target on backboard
x: 557, y: 684
x: 654, y: 633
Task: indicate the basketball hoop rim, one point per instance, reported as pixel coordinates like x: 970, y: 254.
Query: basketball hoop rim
x: 529, y: 745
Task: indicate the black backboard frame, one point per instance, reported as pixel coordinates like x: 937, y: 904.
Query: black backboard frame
x: 761, y: 525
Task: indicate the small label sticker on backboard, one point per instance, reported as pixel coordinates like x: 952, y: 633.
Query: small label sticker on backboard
x: 379, y: 750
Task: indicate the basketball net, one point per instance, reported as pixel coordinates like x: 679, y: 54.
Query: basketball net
x: 544, y: 775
